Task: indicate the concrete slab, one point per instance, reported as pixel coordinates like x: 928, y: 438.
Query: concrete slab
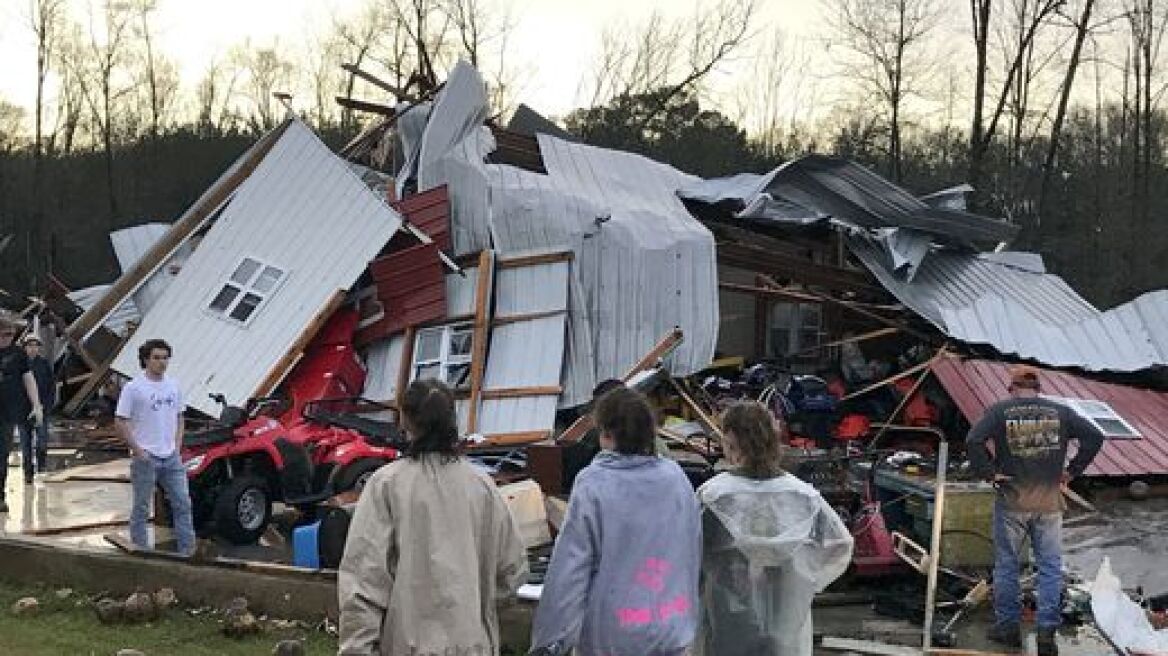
x: 46, y: 506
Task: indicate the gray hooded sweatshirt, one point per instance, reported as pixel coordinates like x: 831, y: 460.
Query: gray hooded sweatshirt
x: 623, y: 579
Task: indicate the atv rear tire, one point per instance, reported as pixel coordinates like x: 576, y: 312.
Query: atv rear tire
x: 243, y: 509
x: 355, y: 474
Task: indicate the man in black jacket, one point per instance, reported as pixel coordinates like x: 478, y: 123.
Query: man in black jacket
x: 1030, y: 435
x: 34, y: 437
x: 18, y: 394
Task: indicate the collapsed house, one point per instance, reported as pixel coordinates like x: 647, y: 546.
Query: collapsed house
x: 522, y: 268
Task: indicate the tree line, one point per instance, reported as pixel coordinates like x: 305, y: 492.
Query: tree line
x: 1051, y: 109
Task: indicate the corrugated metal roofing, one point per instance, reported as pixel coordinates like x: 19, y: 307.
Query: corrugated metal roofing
x: 429, y: 211
x: 974, y: 385
x: 1021, y: 312
x: 642, y: 265
x: 301, y: 209
x: 130, y: 244
x: 119, y: 320
x: 850, y: 192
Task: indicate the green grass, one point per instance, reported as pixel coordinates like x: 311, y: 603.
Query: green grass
x: 70, y: 627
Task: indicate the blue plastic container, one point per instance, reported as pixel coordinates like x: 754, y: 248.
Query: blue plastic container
x: 305, y: 552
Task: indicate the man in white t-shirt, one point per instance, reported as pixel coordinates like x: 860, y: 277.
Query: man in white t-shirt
x: 150, y: 420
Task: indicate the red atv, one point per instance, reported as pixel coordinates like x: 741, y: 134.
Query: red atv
x: 301, y: 449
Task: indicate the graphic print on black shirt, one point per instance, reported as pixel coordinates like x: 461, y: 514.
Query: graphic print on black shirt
x: 1033, y: 430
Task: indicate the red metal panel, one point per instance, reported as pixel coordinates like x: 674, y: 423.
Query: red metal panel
x: 412, y: 288
x: 975, y: 384
x: 429, y: 211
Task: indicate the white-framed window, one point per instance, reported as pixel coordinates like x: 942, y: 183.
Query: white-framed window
x: 444, y: 353
x: 240, y: 297
x: 1102, y: 415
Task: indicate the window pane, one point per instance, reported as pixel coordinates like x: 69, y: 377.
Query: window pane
x: 458, y: 375
x: 428, y: 345
x: 268, y: 279
x: 1095, y: 408
x: 1114, y: 427
x: 224, y: 298
x: 428, y: 371
x: 246, y: 307
x: 460, y: 342
x: 246, y: 270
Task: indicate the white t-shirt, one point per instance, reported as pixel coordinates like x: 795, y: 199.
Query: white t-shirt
x: 152, y: 407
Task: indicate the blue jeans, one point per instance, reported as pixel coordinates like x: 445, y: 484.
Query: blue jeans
x: 170, y: 474
x: 1046, y: 536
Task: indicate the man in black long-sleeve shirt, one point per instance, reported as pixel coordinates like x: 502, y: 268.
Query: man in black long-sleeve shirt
x: 1030, y: 436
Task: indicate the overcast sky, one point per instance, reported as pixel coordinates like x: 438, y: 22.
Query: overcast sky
x: 553, y: 40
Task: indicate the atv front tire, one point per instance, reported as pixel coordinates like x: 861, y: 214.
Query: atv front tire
x: 243, y: 510
x: 356, y: 474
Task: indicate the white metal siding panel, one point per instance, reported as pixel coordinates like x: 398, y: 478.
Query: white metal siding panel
x: 130, y: 244
x: 526, y: 353
x: 460, y: 292
x: 301, y: 209
x: 383, y: 364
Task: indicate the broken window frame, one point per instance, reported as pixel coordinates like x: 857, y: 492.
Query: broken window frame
x: 446, y: 360
x: 1101, y: 412
x: 245, y: 287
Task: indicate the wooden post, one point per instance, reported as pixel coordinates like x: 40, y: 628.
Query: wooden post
x: 98, y: 372
x: 663, y: 348
x: 482, y: 322
x: 179, y: 232
x: 935, y: 545
x: 406, y: 366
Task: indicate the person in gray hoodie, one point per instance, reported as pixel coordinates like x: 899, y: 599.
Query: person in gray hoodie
x: 623, y: 579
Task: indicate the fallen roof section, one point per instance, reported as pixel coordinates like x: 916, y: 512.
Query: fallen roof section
x: 974, y: 385
x: 849, y: 192
x: 302, y: 212
x: 1023, y: 312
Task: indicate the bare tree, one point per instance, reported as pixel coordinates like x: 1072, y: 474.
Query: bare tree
x: 1147, y: 21
x: 215, y: 97
x: 981, y: 133
x: 159, y: 76
x: 888, y: 41
x: 109, y: 37
x: 667, y: 58
x: 1082, y: 29
x: 47, y: 19
x: 353, y: 40
x: 266, y: 71
x: 70, y: 61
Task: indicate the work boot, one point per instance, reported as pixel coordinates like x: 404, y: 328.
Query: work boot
x: 1046, y: 642
x: 1009, y: 635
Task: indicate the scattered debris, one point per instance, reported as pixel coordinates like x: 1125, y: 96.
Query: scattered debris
x: 165, y: 598
x: 26, y: 606
x: 64, y: 593
x: 140, y: 607
x: 238, y: 621
x: 109, y: 611
x: 130, y: 652
x: 289, y: 648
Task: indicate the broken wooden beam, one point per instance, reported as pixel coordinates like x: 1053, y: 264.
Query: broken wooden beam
x: 366, y: 106
x: 482, y: 325
x: 664, y: 347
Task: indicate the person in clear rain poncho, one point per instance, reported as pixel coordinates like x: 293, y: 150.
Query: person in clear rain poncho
x: 770, y: 543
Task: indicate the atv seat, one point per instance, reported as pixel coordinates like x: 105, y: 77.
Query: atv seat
x: 377, y: 432
x: 208, y: 436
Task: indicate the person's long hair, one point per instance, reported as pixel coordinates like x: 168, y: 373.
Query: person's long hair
x: 429, y: 416
x: 753, y: 431
x: 628, y: 419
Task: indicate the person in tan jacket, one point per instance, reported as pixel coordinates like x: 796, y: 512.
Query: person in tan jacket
x: 432, y: 546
